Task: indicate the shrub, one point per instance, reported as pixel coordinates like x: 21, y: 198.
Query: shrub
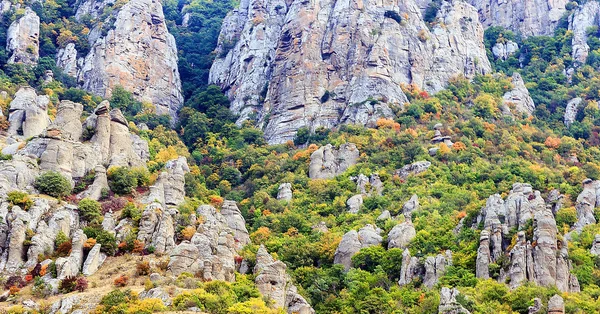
x: 121, y: 281
x: 40, y: 288
x: 53, y: 183
x: 121, y: 180
x: 106, y: 239
x: 116, y: 301
x: 113, y: 204
x: 142, y: 268
x: 14, y: 281
x: 188, y: 232
x: 61, y: 238
x: 21, y: 199
x: 90, y: 210
x: 81, y: 284
x: 68, y: 284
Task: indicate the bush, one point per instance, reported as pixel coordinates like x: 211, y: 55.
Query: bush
x: 68, y: 284
x: 142, y: 268
x: 121, y: 281
x: 81, y: 284
x: 14, y: 281
x: 106, y: 239
x: 90, y: 210
x: 21, y: 199
x: 53, y: 183
x: 121, y: 180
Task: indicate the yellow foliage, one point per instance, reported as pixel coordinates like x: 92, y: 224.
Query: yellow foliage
x: 166, y: 154
x: 252, y: 306
x: 444, y: 149
x: 146, y: 306
x: 261, y: 235
x: 552, y: 142
x: 188, y: 232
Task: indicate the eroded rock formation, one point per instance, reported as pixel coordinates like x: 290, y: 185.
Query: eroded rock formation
x: 22, y: 39
x: 310, y: 64
x: 353, y: 241
x: 327, y: 162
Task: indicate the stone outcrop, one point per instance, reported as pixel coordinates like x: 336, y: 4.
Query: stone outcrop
x: 571, y: 110
x: 169, y: 188
x: 448, y: 303
x: 412, y: 169
x: 275, y: 284
x: 583, y: 17
x: 556, y: 305
x: 28, y: 114
x: 68, y: 120
x: 542, y: 259
x: 373, y: 182
x: 435, y: 267
x: 312, y: 64
x: 504, y: 50
x: 411, y: 205
x: 518, y: 98
x: 22, y: 39
x: 586, y: 201
x: 327, y: 162
x: 137, y: 53
x: 529, y: 18
x: 212, y: 249
x: 595, y: 250
x: 284, y: 192
x: 353, y: 241
x: 93, y: 261
x: 66, y: 59
x: 14, y: 246
x: 354, y: 203
x: 401, y: 235
x: 157, y: 229
x: 71, y: 266
x: 18, y: 174
x: 100, y: 184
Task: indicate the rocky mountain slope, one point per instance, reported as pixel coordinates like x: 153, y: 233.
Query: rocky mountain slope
x: 353, y: 157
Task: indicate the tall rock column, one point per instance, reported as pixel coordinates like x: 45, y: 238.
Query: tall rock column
x: 137, y: 53
x: 22, y: 39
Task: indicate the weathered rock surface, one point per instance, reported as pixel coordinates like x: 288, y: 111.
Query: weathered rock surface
x: 236, y: 222
x: 71, y: 266
x: 156, y: 293
x: 504, y: 50
x: 518, y: 98
x: 327, y: 162
x: 545, y: 262
x: 353, y: 241
x: 22, y: 39
x: 586, y: 201
x: 412, y: 169
x: 137, y: 53
x: 28, y: 114
x: 314, y: 64
x: 595, y: 250
x: 66, y: 59
x: 93, y: 261
x: 354, y: 203
x: 174, y: 186
x: 529, y: 18
x: 284, y: 192
x: 100, y: 184
x: 411, y: 205
x: 583, y: 17
x: 401, y: 235
x: 435, y: 267
x: 157, y: 229
x: 571, y: 110
x: 556, y: 305
x: 448, y: 303
x: 68, y: 120
x: 275, y: 284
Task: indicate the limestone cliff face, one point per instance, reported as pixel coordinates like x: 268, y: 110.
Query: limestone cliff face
x: 529, y: 18
x: 584, y: 17
x: 325, y: 62
x: 22, y: 39
x: 137, y: 52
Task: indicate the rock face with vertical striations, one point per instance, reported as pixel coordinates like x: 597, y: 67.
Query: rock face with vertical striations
x: 275, y: 284
x: 518, y: 98
x: 328, y: 162
x: 529, y: 18
x: 583, y: 17
x: 137, y: 53
x: 28, y: 114
x: 22, y: 39
x: 322, y: 63
x: 353, y: 241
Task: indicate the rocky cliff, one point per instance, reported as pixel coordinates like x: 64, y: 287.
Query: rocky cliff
x: 22, y: 39
x: 131, y: 48
x: 321, y: 63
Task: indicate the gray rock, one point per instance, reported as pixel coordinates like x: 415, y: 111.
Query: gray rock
x: 68, y: 120
x: 93, y: 261
x: 410, y: 268
x: 531, y: 18
x: 586, y: 201
x: 571, y: 110
x: 137, y: 53
x: 156, y: 293
x: 285, y: 192
x: 71, y: 265
x: 100, y: 184
x: 503, y: 50
x: 157, y: 229
x: 174, y: 187
x: 236, y: 222
x: 519, y: 97
x: 15, y: 252
x: 448, y: 303
x: 66, y: 59
x: 331, y: 77
x: 483, y: 256
x: 385, y: 215
x: 595, y: 250
x: 536, y: 307
x: 327, y: 162
x: 184, y: 258
x: 411, y: 205
x: 401, y: 235
x: 583, y: 17
x: 22, y: 39
x: 28, y: 114
x: 353, y: 241
x: 435, y: 267
x: 412, y: 169
x: 556, y: 305
x: 354, y: 203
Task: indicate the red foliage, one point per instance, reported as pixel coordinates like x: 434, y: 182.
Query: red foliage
x: 113, y: 204
x: 121, y: 281
x: 81, y: 284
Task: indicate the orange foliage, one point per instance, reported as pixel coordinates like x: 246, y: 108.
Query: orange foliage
x: 458, y: 146
x: 138, y: 246
x: 215, y: 200
x: 14, y: 290
x: 121, y: 281
x: 261, y: 235
x: 552, y: 142
x: 89, y: 243
x: 188, y: 232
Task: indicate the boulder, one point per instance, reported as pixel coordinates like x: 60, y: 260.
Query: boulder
x: 156, y: 293
x: 412, y: 169
x: 93, y: 261
x: 556, y: 305
x: 285, y: 192
x: 28, y: 114
x: 401, y: 235
x: 571, y: 110
x: 354, y: 203
x: 503, y: 50
x: 353, y: 241
x: 411, y: 205
x: 595, y: 250
x: 518, y: 98
x: 235, y: 221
